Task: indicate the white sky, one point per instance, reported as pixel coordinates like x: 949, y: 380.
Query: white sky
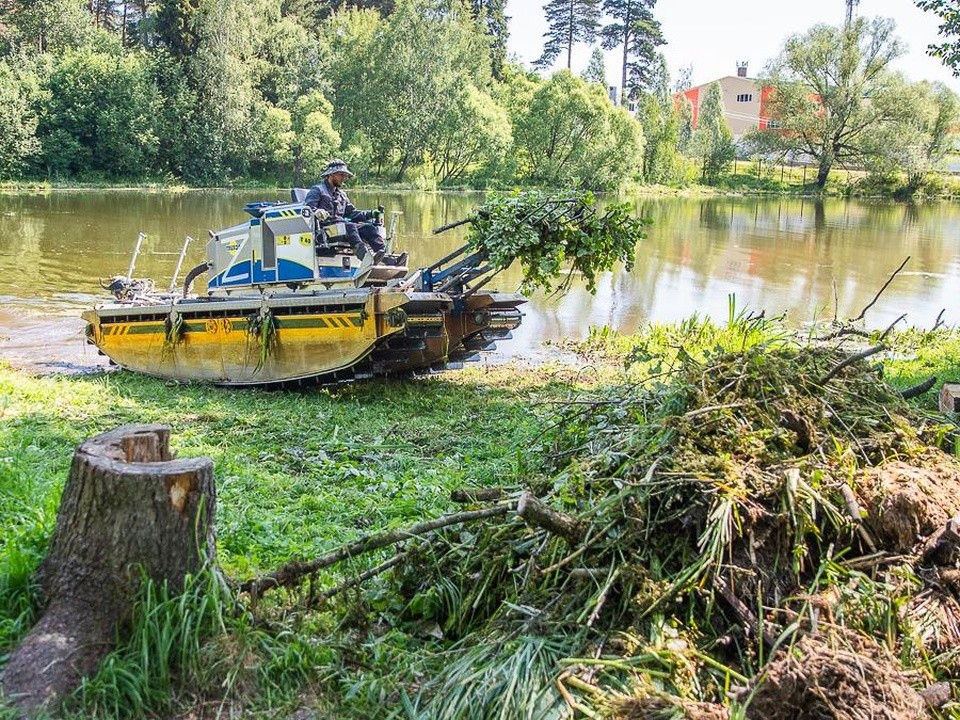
x: 713, y: 35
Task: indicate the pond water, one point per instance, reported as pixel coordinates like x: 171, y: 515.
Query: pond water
x: 811, y: 259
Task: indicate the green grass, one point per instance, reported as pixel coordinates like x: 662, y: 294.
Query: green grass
x: 298, y: 473
x: 751, y: 177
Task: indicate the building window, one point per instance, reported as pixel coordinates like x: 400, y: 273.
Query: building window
x: 745, y: 97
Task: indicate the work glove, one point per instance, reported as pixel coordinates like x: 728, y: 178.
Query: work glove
x: 321, y: 214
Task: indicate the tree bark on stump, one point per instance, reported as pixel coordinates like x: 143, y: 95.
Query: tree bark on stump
x: 129, y: 510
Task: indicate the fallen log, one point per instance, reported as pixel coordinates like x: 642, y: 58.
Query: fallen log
x: 536, y: 513
x: 295, y: 570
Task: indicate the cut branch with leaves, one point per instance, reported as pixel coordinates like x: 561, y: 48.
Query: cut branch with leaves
x: 546, y: 231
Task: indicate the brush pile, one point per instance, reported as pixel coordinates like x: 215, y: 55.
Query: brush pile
x: 766, y: 531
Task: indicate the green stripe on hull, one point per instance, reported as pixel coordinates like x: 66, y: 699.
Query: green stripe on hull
x: 221, y: 324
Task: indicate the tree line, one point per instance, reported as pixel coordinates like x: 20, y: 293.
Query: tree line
x: 213, y: 92
x: 210, y: 92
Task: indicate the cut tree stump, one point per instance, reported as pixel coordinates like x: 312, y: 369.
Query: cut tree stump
x: 128, y: 510
x: 950, y: 397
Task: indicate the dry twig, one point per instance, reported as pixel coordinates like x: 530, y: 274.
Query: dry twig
x: 294, y: 571
x: 876, y: 297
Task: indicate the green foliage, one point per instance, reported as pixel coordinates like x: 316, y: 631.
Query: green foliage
x: 395, y: 78
x: 496, y: 679
x: 492, y: 15
x: 546, y: 232
x: 351, y: 37
x: 176, y: 27
x: 245, y: 66
x: 660, y: 117
x: 568, y: 22
x: 661, y: 125
x: 831, y: 92
x: 685, y: 124
x: 595, y: 72
x: 919, y: 142
x: 712, y: 141
x: 474, y: 137
x: 314, y: 140
x: 99, y: 118
x: 18, y: 120
x: 949, y: 14
x: 272, y: 149
x: 42, y: 26
x: 569, y: 133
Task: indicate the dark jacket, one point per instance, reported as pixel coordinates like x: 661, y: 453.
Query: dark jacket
x: 324, y: 196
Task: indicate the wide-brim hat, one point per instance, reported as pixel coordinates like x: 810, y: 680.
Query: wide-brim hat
x: 336, y: 166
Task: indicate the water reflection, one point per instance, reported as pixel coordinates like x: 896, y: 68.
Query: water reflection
x: 803, y: 257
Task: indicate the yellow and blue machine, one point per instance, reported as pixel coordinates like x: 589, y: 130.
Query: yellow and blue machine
x: 289, y: 300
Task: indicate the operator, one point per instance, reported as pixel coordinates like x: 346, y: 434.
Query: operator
x: 331, y: 204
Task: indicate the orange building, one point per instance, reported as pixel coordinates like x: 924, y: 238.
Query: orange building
x: 745, y: 103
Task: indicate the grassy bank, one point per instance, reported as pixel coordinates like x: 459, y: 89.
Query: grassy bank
x: 299, y: 473
x: 746, y: 177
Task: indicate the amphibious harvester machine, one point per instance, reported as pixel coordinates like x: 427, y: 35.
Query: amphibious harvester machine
x: 288, y: 301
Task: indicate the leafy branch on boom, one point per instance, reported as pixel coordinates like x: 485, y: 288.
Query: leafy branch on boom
x: 545, y: 232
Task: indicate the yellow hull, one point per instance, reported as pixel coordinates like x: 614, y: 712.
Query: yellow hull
x: 247, y: 342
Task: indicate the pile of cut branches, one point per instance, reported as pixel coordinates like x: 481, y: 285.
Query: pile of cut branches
x: 765, y: 524
x: 547, y: 232
x: 690, y: 529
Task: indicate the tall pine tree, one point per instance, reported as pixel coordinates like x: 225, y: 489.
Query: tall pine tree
x: 569, y: 22
x: 492, y: 13
x: 638, y: 34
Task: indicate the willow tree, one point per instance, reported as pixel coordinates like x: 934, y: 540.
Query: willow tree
x: 922, y: 141
x: 570, y: 134
x: 394, y: 79
x: 475, y: 135
x: 832, y: 89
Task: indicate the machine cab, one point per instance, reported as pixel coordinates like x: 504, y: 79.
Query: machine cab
x: 283, y: 245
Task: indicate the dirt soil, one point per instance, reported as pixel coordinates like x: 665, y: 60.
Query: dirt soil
x: 909, y: 501
x: 821, y: 679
